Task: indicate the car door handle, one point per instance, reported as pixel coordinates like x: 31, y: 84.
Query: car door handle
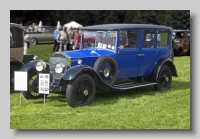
x: 140, y: 54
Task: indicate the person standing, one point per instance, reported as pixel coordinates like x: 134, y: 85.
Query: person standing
x: 71, y: 39
x: 63, y: 39
x: 26, y: 42
x: 177, y: 42
x: 55, y: 33
x: 77, y: 39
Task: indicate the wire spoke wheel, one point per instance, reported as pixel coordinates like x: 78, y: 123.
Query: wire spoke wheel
x: 164, y: 79
x: 81, y: 91
x: 107, y: 69
x: 32, y: 92
x: 33, y: 86
x: 107, y: 72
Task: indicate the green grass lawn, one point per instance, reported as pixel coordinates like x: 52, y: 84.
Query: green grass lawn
x: 140, y: 108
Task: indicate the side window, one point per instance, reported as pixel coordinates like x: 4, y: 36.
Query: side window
x: 129, y: 38
x: 148, y: 38
x: 162, y: 38
x: 11, y: 37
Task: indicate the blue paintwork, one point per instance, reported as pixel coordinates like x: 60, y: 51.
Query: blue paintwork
x: 88, y: 56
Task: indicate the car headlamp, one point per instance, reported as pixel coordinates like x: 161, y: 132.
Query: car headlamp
x: 40, y: 65
x: 79, y: 61
x: 59, y: 67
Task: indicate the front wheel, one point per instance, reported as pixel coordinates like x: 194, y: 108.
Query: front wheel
x: 81, y: 91
x: 32, y: 92
x: 164, y: 79
x: 33, y: 41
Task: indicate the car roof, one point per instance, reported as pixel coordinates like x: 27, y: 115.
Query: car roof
x: 180, y: 30
x: 16, y: 25
x: 122, y: 26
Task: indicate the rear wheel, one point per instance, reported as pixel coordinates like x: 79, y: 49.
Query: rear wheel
x: 164, y: 79
x: 81, y: 91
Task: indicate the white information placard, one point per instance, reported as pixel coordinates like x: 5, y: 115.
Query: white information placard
x: 20, y: 80
x: 44, y: 83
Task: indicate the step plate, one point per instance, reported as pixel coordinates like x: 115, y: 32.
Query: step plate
x: 132, y: 85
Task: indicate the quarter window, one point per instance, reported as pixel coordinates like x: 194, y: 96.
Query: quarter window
x: 162, y: 38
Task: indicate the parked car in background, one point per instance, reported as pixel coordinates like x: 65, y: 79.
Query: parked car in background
x: 43, y: 34
x: 17, y: 57
x: 184, y: 35
x: 121, y: 58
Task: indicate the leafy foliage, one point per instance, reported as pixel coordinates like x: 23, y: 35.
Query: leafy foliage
x: 177, y: 19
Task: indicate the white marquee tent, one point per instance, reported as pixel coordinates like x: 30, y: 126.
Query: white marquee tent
x: 73, y: 24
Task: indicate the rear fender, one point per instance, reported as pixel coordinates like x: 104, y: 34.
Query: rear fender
x: 16, y: 62
x: 159, y: 65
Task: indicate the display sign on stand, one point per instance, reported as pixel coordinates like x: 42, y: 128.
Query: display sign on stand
x: 20, y: 82
x: 44, y: 84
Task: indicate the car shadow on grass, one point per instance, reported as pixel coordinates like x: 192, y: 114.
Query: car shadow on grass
x: 103, y: 97
x: 106, y: 98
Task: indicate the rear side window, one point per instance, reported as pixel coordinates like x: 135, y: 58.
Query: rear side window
x: 162, y: 38
x: 16, y: 37
x: 12, y: 36
x: 148, y: 38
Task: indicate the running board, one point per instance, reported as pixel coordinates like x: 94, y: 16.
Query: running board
x: 132, y: 85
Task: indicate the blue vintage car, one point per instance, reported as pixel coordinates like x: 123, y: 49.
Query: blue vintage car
x: 118, y: 58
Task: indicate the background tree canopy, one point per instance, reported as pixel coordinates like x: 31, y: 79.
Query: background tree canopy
x: 177, y: 19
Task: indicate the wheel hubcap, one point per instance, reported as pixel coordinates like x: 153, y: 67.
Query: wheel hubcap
x: 167, y: 79
x: 85, y: 92
x: 106, y: 72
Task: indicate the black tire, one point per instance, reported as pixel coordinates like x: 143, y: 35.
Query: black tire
x: 107, y: 69
x: 33, y: 41
x: 12, y: 69
x: 32, y: 92
x: 81, y: 91
x: 188, y: 52
x: 164, y: 79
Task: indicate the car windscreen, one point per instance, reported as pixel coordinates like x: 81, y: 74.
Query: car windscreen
x: 100, y: 39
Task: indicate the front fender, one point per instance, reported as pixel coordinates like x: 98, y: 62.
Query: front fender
x: 31, y: 66
x: 159, y: 65
x: 75, y: 71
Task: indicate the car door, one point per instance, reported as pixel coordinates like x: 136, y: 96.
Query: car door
x: 48, y: 35
x: 147, y: 52
x: 127, y: 53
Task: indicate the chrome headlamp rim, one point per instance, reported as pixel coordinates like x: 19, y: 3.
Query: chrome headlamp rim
x: 40, y: 65
x: 59, y: 67
x: 79, y: 61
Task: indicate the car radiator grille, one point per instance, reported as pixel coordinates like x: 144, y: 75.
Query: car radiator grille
x: 52, y: 62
